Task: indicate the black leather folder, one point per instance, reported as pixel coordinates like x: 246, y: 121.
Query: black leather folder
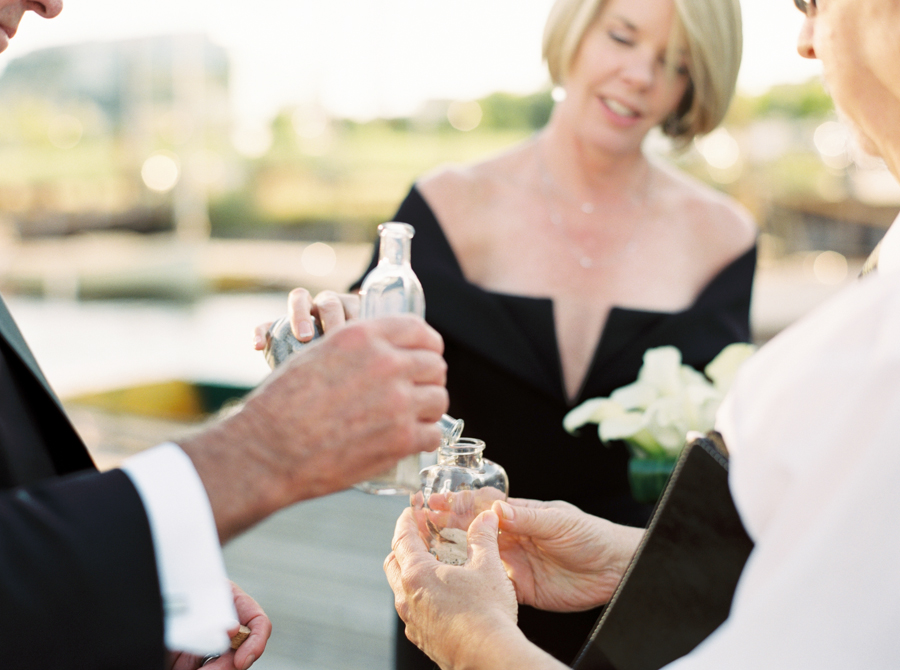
x: 680, y: 583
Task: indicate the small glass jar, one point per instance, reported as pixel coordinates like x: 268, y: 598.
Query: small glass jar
x: 403, y: 478
x: 453, y: 492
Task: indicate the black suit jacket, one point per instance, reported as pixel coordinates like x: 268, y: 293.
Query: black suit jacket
x: 78, y: 579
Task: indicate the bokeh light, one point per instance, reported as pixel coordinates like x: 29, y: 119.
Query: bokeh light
x: 318, y: 259
x: 65, y: 131
x: 161, y: 171
x: 722, y: 155
x: 832, y: 141
x: 252, y: 141
x: 830, y: 268
x: 464, y: 116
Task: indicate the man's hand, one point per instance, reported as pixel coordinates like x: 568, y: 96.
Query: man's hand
x: 560, y: 558
x: 340, y: 411
x: 251, y: 615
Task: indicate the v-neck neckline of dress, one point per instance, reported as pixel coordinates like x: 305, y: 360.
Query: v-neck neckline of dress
x: 521, y: 308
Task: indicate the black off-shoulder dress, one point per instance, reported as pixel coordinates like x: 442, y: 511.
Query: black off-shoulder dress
x: 505, y: 381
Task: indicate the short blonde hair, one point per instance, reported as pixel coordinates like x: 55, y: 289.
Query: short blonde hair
x: 711, y: 31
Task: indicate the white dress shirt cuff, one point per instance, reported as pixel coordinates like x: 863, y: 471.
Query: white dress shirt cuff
x: 197, y: 597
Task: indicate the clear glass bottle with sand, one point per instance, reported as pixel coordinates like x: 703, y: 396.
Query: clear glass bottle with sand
x: 453, y: 492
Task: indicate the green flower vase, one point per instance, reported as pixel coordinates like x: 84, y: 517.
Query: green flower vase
x: 648, y: 476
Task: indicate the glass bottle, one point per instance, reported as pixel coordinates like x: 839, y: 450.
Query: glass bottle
x: 281, y: 343
x: 454, y: 491
x: 391, y: 287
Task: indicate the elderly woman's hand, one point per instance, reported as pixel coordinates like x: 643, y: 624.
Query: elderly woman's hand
x: 452, y: 611
x: 560, y: 558
x: 331, y: 310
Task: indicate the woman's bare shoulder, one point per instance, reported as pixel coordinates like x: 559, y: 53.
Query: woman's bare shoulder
x: 465, y: 192
x: 723, y: 223
x: 448, y: 184
x: 475, y: 205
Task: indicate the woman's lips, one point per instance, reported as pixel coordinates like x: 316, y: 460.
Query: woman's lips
x: 618, y: 108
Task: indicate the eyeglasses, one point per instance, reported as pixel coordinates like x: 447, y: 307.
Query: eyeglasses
x: 808, y: 7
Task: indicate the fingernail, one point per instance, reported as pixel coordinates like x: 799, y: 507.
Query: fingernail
x: 305, y: 329
x: 506, y: 510
x: 258, y: 341
x: 251, y: 659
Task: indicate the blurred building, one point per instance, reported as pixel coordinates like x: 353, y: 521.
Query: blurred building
x: 80, y: 123
x: 121, y: 78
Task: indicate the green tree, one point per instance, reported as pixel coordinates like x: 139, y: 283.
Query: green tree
x: 516, y: 112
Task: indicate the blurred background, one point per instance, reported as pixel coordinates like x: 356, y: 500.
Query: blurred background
x: 169, y: 171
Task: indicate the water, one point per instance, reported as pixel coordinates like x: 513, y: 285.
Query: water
x: 100, y: 345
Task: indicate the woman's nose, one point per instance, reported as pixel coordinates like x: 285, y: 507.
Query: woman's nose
x: 640, y: 70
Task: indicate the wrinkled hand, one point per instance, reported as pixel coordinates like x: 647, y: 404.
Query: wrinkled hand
x: 343, y: 409
x: 251, y: 615
x: 560, y: 558
x: 451, y: 611
x: 329, y: 308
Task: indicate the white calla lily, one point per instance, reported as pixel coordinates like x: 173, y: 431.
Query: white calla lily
x: 723, y: 368
x: 689, y: 377
x: 595, y: 410
x: 661, y: 368
x: 667, y: 422
x: 668, y: 399
x: 622, y: 426
x: 637, y: 395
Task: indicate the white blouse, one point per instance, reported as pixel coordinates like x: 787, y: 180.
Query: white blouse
x: 813, y: 427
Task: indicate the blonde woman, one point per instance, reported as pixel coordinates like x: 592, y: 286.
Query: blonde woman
x: 550, y: 269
